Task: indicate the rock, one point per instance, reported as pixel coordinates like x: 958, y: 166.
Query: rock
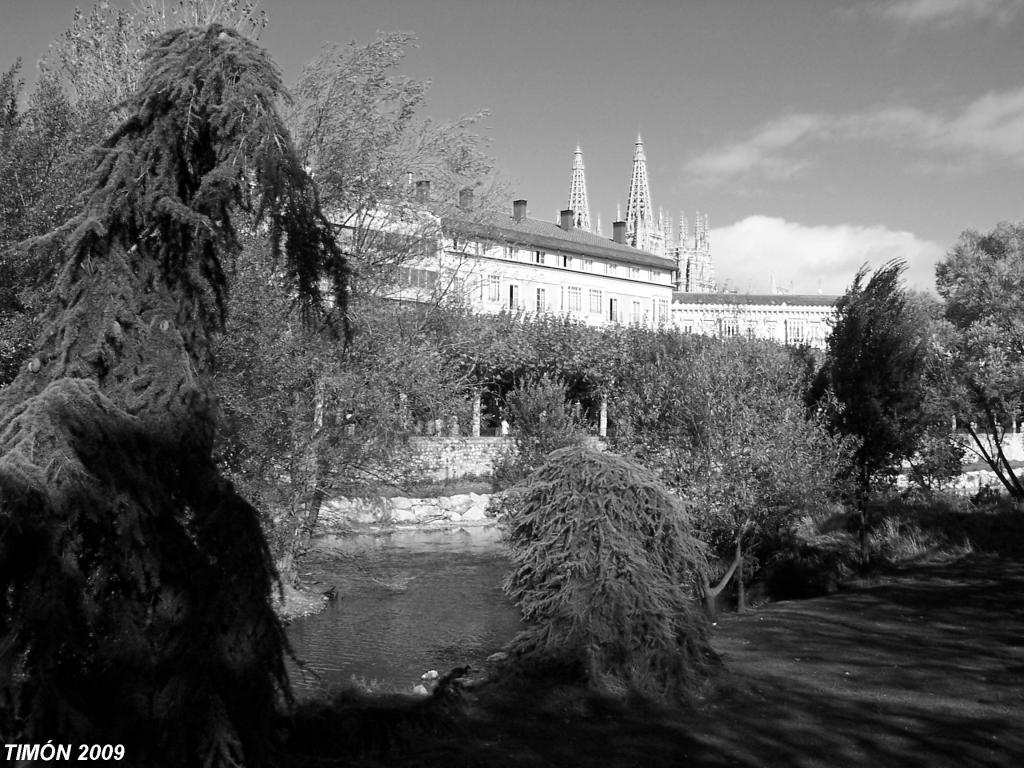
x: 419, y: 690
x: 400, y: 502
x: 431, y: 675
x: 474, y: 514
x: 496, y: 657
x: 403, y: 515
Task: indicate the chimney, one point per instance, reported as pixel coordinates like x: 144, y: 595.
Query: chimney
x: 518, y: 210
x: 619, y: 232
x: 422, y: 191
x: 466, y: 198
x: 567, y: 218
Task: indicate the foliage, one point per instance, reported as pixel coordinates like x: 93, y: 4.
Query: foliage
x: 874, y: 374
x: 543, y: 422
x: 359, y: 128
x: 46, y: 145
x: 982, y: 282
x: 115, y: 524
x: 722, y: 422
x: 305, y: 414
x: 603, y: 562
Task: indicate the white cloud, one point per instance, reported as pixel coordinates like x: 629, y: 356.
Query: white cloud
x: 988, y: 128
x: 946, y: 13
x: 808, y: 258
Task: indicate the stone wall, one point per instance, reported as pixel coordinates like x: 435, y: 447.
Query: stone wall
x: 440, y: 459
x: 342, y: 514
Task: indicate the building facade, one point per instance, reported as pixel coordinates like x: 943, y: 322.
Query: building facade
x: 788, y: 319
x: 644, y: 274
x: 494, y: 262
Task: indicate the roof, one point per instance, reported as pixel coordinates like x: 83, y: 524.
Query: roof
x: 770, y: 299
x: 493, y: 225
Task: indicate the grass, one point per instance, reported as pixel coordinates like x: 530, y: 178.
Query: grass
x: 921, y: 668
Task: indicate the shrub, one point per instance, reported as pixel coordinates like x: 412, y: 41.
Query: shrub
x: 604, y: 562
x: 542, y: 421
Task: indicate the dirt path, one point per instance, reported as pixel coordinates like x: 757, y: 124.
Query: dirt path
x: 923, y: 668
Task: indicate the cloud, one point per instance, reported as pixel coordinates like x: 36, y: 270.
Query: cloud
x: 948, y: 13
x: 988, y: 128
x: 810, y: 258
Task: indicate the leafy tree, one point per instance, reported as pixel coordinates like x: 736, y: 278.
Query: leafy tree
x: 115, y: 524
x: 603, y: 562
x: 982, y: 282
x: 724, y: 426
x: 871, y: 384
x: 359, y: 127
x: 542, y: 421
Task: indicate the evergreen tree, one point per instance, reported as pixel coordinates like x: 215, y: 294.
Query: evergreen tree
x: 135, y: 581
x: 604, y: 563
x: 871, y: 383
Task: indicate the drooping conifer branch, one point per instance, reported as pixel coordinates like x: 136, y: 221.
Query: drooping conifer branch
x: 134, y: 580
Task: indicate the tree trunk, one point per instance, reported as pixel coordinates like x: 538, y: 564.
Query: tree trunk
x: 710, y: 593
x: 308, y: 492
x: 998, y: 462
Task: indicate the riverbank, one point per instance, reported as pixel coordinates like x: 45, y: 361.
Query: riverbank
x: 923, y: 667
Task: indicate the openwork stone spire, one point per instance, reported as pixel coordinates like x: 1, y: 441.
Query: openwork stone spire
x: 639, y: 217
x: 578, y: 193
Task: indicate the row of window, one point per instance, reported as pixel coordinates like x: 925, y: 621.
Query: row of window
x: 597, y: 304
x: 579, y: 263
x: 794, y: 331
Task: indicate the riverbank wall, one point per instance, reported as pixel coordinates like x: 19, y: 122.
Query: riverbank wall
x: 341, y: 515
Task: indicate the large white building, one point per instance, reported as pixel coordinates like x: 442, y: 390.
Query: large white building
x: 508, y: 261
x: 511, y: 262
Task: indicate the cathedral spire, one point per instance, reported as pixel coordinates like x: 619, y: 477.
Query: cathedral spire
x: 639, y: 217
x: 578, y: 193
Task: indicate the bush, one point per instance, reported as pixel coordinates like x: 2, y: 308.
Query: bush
x: 604, y: 562
x: 542, y: 421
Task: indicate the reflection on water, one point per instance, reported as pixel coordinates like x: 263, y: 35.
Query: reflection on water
x: 407, y: 602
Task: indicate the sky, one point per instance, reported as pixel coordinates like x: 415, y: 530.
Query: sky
x: 817, y: 135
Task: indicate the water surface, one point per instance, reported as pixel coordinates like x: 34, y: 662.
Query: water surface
x: 408, y: 602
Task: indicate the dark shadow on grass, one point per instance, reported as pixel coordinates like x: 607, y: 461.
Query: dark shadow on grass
x: 923, y: 669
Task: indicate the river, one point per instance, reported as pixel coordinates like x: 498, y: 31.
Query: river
x: 408, y: 602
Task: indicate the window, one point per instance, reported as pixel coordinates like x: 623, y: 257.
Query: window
x: 595, y: 302
x: 509, y: 252
x: 634, y: 273
x: 513, y: 297
x: 566, y: 261
x: 796, y: 331
x: 588, y: 265
x: 613, y: 310
x: 575, y: 299
x: 729, y: 327
x: 419, y: 278
x: 636, y: 316
x: 542, y: 301
x: 494, y: 288
x: 662, y: 311
x: 538, y: 257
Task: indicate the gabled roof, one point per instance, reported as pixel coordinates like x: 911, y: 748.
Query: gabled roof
x: 746, y: 299
x: 502, y: 227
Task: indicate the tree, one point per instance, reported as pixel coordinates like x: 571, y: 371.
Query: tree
x: 542, y: 421
x: 724, y: 425
x: 982, y: 282
x: 359, y: 128
x: 871, y: 384
x: 603, y: 565
x: 115, y: 524
x: 46, y: 145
